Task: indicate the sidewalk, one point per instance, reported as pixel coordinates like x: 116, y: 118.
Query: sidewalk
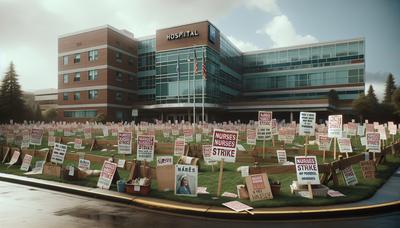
x: 386, y: 199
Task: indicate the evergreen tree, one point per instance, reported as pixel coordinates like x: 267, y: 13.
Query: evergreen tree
x: 362, y: 107
x: 389, y: 89
x: 371, y: 96
x: 12, y: 106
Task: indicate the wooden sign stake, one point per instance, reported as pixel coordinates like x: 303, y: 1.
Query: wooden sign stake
x: 334, y: 148
x: 323, y: 157
x: 374, y: 156
x: 273, y: 140
x: 306, y: 145
x: 249, y: 212
x: 221, y: 172
x: 264, y: 147
x: 310, y: 190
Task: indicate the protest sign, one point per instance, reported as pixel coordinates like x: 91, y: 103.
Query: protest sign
x: 25, y: 141
x: 188, y: 134
x: 145, y: 148
x: 265, y: 119
x: 349, y: 176
x: 36, y: 136
x: 38, y: 168
x: 307, y: 123
x: 373, y: 142
x: 87, y: 133
x: 59, y: 152
x: 335, y: 126
x: 238, y: 206
x: 14, y: 158
x: 324, y: 142
x: 77, y: 144
x: 26, y: 163
x: 363, y: 141
x: 258, y: 187
x: 121, y: 163
x: 251, y: 136
x: 198, y: 138
x: 307, y: 170
x: 105, y: 131
x: 51, y: 140
x: 179, y: 147
x: 125, y: 142
x: 165, y: 160
x: 345, y: 145
x: 207, y: 155
x: 281, y: 155
x: 368, y: 169
x: 224, y: 145
x: 84, y: 164
x: 186, y: 180
x: 360, y: 130
x: 264, y: 133
x: 106, y: 175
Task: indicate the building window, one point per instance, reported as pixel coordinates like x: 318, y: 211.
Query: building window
x: 93, y: 55
x: 77, y: 77
x: 119, y: 76
x: 118, y: 57
x: 65, y: 96
x: 118, y: 96
x: 119, y: 115
x: 92, y: 75
x: 77, y: 58
x: 81, y: 114
x: 77, y: 96
x: 65, y: 78
x: 65, y: 60
x: 130, y: 60
x: 93, y: 94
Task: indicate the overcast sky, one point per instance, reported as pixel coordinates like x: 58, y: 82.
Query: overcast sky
x: 29, y: 29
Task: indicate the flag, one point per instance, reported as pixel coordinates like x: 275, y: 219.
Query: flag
x: 203, y: 68
x: 195, y: 63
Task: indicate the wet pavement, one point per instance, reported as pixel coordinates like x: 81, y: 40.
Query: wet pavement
x: 24, y: 206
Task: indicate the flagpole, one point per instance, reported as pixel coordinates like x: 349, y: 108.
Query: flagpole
x: 179, y: 76
x: 194, y: 88
x: 202, y: 89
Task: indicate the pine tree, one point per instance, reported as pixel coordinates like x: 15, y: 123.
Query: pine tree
x: 362, y: 107
x: 371, y: 96
x: 12, y: 106
x: 389, y: 89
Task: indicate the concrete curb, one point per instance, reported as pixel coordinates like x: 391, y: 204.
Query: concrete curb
x: 202, y: 210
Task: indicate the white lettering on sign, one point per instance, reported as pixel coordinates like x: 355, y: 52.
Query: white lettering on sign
x: 183, y: 34
x: 307, y: 123
x: 224, y: 145
x: 307, y: 170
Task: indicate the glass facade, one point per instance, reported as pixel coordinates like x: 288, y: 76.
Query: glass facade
x: 146, y: 70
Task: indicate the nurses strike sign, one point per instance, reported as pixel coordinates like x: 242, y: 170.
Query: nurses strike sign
x: 106, y: 175
x: 224, y: 145
x: 307, y: 170
x: 124, y: 142
x: 145, y: 148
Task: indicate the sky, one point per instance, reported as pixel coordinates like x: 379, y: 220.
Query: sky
x: 29, y: 29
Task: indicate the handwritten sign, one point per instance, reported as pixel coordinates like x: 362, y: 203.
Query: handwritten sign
x: 59, y: 152
x: 349, y: 176
x: 307, y: 123
x: 258, y: 187
x: 281, y: 155
x: 368, y: 169
x: 207, y: 155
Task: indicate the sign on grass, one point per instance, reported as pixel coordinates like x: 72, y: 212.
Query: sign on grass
x: 349, y: 176
x: 224, y: 145
x: 281, y: 155
x: 251, y: 136
x: 106, y: 175
x: 207, y: 155
x: 59, y: 152
x: 258, y: 187
x: 84, y: 164
x: 335, y: 126
x: 345, y: 145
x: 36, y: 136
x: 77, y: 144
x: 125, y: 142
x: 179, y: 147
x: 307, y: 123
x: 186, y: 180
x: 51, y: 140
x: 373, y: 142
x: 26, y: 163
x: 324, y: 142
x: 165, y: 160
x: 145, y: 148
x: 264, y: 119
x: 307, y: 170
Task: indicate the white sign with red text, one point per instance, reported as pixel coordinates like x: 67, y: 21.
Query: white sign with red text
x: 224, y: 145
x: 307, y: 170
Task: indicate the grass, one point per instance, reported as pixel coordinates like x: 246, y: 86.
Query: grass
x: 231, y: 178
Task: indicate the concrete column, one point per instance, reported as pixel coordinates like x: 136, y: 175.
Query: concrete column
x: 291, y: 117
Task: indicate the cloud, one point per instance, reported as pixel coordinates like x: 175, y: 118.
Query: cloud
x: 268, y: 6
x: 243, y: 45
x: 282, y: 33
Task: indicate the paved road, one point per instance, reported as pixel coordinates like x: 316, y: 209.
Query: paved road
x: 24, y: 206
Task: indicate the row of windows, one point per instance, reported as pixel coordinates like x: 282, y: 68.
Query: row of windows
x: 146, y: 61
x: 303, y: 54
x: 146, y: 46
x: 93, y: 95
x: 261, y: 82
x: 342, y: 95
x: 94, y: 74
x: 92, y: 56
x: 80, y: 114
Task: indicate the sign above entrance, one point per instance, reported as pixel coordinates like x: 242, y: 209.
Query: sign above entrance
x: 183, y: 34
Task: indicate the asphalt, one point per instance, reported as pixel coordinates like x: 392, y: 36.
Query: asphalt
x: 386, y: 199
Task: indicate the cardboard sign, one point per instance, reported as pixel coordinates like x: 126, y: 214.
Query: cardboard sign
x: 36, y: 136
x: 324, y: 142
x: 237, y: 206
x: 207, y: 155
x: 265, y: 119
x: 345, y: 145
x: 251, y: 137
x: 349, y: 176
x: 121, y: 163
x: 258, y: 187
x: 38, y: 168
x: 77, y: 144
x: 186, y: 180
x: 307, y: 123
x: 224, y: 145
x: 59, y: 152
x: 84, y: 164
x: 373, y: 142
x: 188, y: 134
x: 87, y: 133
x: 363, y: 141
x: 165, y: 160
x: 51, y: 140
x: 125, y: 142
x: 71, y: 171
x: 26, y: 163
x: 360, y: 130
x: 105, y: 131
x: 106, y: 175
x: 145, y: 148
x: 14, y: 158
x: 179, y: 147
x: 198, y: 138
x: 264, y: 133
x: 281, y: 155
x: 369, y: 128
x: 25, y: 141
x: 307, y: 170
x: 335, y: 123
x: 368, y: 169
x: 382, y: 133
x: 351, y: 129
